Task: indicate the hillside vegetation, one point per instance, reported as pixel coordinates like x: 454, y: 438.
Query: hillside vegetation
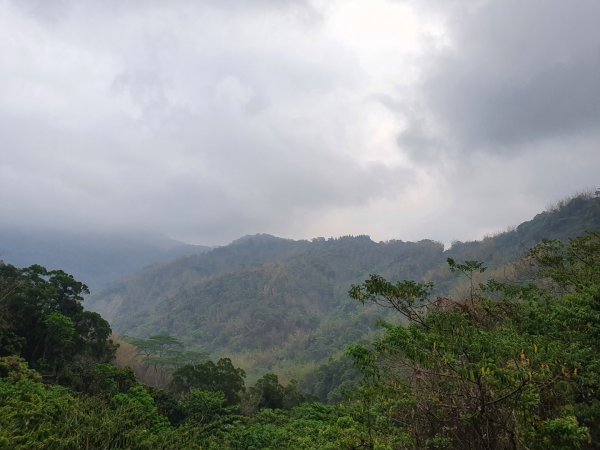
x: 275, y: 304
x: 507, y: 366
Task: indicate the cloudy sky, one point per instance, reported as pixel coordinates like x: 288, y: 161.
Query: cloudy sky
x: 208, y: 120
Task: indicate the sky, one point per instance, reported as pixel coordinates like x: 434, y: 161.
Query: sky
x: 208, y: 120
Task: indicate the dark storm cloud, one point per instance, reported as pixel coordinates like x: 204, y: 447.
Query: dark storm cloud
x: 514, y: 72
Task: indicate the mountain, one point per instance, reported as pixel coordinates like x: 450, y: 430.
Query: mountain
x: 279, y: 304
x: 263, y: 300
x: 97, y: 259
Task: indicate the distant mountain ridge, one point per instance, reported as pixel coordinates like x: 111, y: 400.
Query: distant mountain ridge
x: 279, y: 304
x: 95, y: 258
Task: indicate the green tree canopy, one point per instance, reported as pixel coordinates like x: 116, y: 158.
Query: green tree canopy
x: 44, y: 321
x: 208, y: 376
x: 511, y: 366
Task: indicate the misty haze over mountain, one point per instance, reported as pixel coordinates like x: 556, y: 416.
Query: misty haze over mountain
x: 97, y: 259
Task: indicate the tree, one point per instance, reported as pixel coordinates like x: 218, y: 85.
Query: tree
x: 220, y: 377
x: 203, y: 407
x: 511, y: 366
x: 165, y: 354
x: 45, y: 321
x: 268, y: 393
x: 58, y: 342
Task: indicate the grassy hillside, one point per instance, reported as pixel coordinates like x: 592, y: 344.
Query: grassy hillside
x: 278, y: 304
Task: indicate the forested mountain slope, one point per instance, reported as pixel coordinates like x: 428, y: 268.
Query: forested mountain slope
x: 276, y: 304
x: 509, y: 366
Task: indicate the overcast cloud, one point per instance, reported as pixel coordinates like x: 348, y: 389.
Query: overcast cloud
x: 209, y: 120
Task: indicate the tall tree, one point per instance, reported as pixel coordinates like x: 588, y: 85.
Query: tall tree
x: 44, y: 320
x: 220, y: 377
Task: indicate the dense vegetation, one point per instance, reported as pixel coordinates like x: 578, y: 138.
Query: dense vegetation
x: 510, y: 366
x: 280, y: 305
x: 42, y: 319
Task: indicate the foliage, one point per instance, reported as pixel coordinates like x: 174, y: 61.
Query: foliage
x: 519, y: 371
x: 508, y: 366
x: 307, y: 427
x: 45, y: 322
x: 277, y: 305
x: 15, y: 368
x: 330, y: 381
x: 33, y: 415
x: 220, y: 377
x: 164, y: 354
x: 269, y: 393
x: 107, y: 379
x: 267, y: 300
x: 202, y: 407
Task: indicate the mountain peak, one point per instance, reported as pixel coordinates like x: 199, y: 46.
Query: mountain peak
x: 259, y: 238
